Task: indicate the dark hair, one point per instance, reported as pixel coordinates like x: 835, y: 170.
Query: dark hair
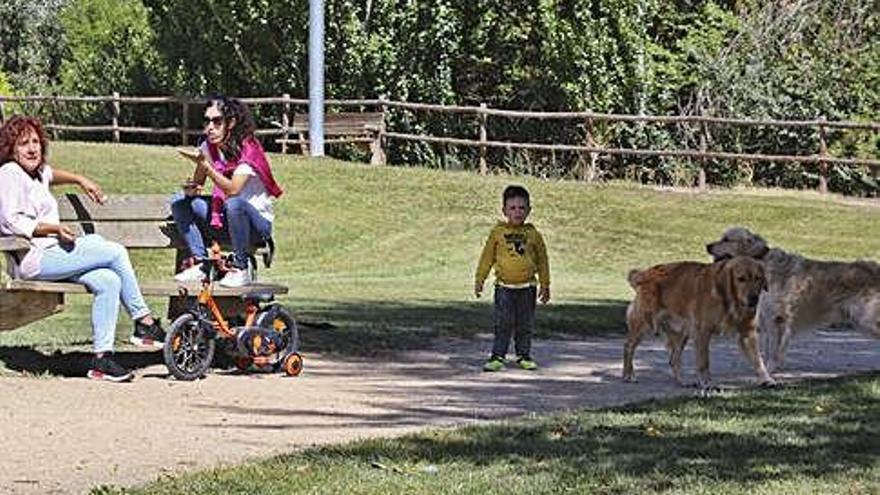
x: 12, y: 131
x: 514, y: 192
x: 232, y: 108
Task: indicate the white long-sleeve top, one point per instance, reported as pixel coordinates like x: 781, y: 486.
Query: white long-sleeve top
x: 25, y: 202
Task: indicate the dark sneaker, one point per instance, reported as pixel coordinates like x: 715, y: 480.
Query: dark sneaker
x: 495, y: 363
x: 148, y: 335
x: 104, y: 368
x: 526, y: 363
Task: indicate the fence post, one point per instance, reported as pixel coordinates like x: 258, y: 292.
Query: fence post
x: 114, y: 105
x: 377, y: 151
x: 54, y: 113
x: 589, y: 172
x: 483, y: 117
x: 285, y: 121
x: 823, y: 152
x: 184, y: 120
x: 2, y: 114
x: 704, y: 143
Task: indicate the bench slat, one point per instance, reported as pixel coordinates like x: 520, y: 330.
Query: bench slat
x: 147, y: 288
x: 128, y: 207
x: 11, y: 243
x: 132, y: 234
x: 341, y: 123
x: 20, y: 308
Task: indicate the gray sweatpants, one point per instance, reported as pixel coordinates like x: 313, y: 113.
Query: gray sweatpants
x: 514, y: 315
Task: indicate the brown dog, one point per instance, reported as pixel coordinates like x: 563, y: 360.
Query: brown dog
x: 690, y: 299
x: 804, y: 294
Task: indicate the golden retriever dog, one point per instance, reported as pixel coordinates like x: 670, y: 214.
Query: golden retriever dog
x: 696, y: 300
x: 805, y: 294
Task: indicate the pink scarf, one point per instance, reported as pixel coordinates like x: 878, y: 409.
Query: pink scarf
x: 252, y: 154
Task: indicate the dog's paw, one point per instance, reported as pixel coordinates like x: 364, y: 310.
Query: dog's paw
x: 629, y: 378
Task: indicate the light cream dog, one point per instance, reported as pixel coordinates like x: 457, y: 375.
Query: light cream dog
x: 696, y: 300
x: 805, y: 294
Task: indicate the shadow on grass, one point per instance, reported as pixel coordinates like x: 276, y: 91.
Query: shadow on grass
x: 745, y: 439
x: 69, y: 364
x: 364, y: 328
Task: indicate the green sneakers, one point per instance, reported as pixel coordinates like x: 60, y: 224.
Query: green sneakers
x: 526, y: 363
x: 495, y: 363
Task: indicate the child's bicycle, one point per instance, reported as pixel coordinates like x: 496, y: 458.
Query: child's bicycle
x: 267, y: 341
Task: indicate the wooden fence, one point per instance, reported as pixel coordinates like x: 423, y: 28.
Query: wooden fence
x: 482, y: 113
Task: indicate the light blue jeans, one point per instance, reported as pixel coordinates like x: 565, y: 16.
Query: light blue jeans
x: 102, y: 266
x: 242, y: 223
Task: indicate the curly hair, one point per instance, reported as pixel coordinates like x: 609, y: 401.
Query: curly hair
x: 245, y: 126
x: 13, y: 129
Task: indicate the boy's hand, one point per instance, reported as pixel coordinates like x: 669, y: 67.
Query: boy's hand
x: 478, y: 288
x: 544, y: 295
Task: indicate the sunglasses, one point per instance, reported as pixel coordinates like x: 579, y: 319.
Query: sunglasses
x: 217, y: 121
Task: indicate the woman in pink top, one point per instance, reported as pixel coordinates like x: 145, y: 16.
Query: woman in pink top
x: 240, y: 205
x: 28, y: 210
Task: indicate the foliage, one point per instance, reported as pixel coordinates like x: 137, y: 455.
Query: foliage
x: 800, y: 60
x: 5, y: 87
x: 110, y: 47
x: 31, y: 43
x: 739, y: 58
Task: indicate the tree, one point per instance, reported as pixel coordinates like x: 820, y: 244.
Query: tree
x: 110, y: 47
x: 31, y: 43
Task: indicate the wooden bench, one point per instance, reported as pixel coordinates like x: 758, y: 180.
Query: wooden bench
x: 135, y: 221
x: 344, y: 127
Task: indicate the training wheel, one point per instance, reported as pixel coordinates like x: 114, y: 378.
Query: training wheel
x: 293, y: 364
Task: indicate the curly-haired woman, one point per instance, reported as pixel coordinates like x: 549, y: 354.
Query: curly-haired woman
x: 28, y: 210
x: 241, y: 202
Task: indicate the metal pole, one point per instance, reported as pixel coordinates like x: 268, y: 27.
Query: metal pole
x: 316, y: 77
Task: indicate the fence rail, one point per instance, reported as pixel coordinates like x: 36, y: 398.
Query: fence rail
x: 482, y: 113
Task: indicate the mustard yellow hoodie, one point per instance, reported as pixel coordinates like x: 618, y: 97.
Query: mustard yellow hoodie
x: 517, y: 253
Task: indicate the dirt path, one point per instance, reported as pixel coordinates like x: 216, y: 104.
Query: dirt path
x: 66, y: 435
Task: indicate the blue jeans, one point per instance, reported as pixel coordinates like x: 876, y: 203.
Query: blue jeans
x: 241, y: 222
x: 514, y: 315
x: 102, y: 266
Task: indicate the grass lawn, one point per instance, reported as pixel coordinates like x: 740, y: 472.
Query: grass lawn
x: 386, y: 255
x: 821, y: 437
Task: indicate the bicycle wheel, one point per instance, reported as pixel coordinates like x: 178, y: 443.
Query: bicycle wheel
x: 292, y: 364
x: 188, y: 351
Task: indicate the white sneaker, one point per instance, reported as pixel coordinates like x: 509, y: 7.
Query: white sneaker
x: 236, y: 278
x: 191, y: 274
